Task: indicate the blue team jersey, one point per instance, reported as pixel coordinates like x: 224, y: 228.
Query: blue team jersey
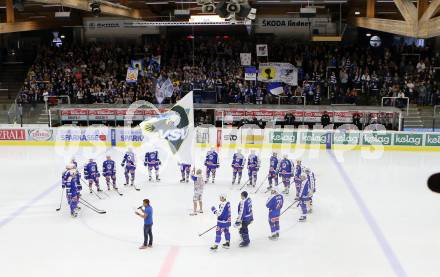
x: 298, y: 172
x: 273, y: 167
x: 305, y: 191
x: 245, y: 210
x: 108, y: 168
x: 224, y: 215
x: 91, y: 170
x: 253, y: 162
x: 238, y: 160
x: 285, y: 167
x: 274, y: 204
x: 211, y: 160
x: 129, y: 161
x: 64, y: 178
x: 152, y: 158
x: 71, y: 188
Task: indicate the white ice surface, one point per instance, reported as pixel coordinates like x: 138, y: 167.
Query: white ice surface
x: 335, y: 241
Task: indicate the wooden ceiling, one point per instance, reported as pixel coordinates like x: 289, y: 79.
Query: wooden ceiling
x: 42, y: 11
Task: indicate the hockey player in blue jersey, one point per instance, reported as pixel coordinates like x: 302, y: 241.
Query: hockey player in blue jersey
x: 223, y: 222
x: 297, y: 176
x: 305, y: 196
x: 274, y: 204
x: 286, y: 167
x: 72, y: 189
x: 274, y: 169
x: 129, y: 162
x: 211, y: 163
x: 253, y: 166
x: 73, y: 161
x: 312, y: 179
x: 185, y: 169
x: 245, y: 217
x: 109, y: 172
x: 237, y: 165
x: 91, y: 174
x: 152, y: 162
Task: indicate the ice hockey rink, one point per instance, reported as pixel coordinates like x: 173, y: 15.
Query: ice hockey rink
x: 372, y: 217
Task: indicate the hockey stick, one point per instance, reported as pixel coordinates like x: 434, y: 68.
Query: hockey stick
x: 117, y: 191
x: 262, y: 183
x: 90, y: 206
x: 91, y: 189
x: 61, y: 201
x: 207, y: 230
x: 247, y: 182
x: 296, y: 201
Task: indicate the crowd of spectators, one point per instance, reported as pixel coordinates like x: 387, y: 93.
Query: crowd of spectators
x: 327, y: 73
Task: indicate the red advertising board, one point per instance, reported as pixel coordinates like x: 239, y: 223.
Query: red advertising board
x: 12, y: 134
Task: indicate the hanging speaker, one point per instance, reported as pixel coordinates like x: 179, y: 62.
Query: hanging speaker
x: 244, y: 10
x: 209, y: 8
x: 233, y: 7
x: 220, y: 9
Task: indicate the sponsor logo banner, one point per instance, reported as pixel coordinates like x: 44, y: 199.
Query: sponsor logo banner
x: 40, y: 134
x: 82, y: 134
x: 432, y: 140
x: 129, y: 135
x: 12, y: 134
x: 377, y: 139
x: 283, y: 137
x: 314, y: 138
x: 408, y: 139
x: 348, y: 138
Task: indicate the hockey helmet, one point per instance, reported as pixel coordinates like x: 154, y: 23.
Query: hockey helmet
x: 222, y: 196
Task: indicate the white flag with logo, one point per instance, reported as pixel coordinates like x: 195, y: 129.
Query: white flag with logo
x: 175, y: 126
x: 245, y: 58
x: 262, y: 50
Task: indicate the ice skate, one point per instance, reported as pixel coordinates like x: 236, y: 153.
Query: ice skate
x: 214, y: 247
x: 226, y: 245
x: 302, y: 218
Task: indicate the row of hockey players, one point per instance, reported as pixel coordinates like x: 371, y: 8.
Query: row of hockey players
x: 91, y: 171
x: 284, y: 168
x: 245, y: 216
x: 238, y: 163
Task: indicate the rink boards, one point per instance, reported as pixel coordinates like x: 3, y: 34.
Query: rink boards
x: 227, y: 138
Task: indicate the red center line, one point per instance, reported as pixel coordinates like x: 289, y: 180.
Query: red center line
x: 168, y: 264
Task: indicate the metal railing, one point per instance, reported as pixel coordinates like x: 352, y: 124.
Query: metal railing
x: 394, y: 102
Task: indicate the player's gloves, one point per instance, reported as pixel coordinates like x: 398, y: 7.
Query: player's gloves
x: 213, y: 209
x: 237, y: 224
x: 145, y: 164
x: 122, y: 164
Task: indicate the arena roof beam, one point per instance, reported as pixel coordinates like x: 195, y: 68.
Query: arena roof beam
x: 10, y: 15
x: 397, y: 27
x: 431, y: 10
x: 412, y: 26
x: 371, y: 8
x: 85, y: 6
x: 407, y: 9
x: 26, y: 26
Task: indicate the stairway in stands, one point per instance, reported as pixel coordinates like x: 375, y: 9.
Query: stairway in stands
x: 419, y: 117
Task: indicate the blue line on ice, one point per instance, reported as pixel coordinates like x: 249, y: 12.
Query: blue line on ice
x: 29, y: 204
x: 378, y: 234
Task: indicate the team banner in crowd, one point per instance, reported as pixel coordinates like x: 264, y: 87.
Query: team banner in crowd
x: 164, y: 88
x: 262, y: 50
x: 278, y: 72
x: 245, y: 58
x: 176, y: 126
x: 132, y: 75
x: 275, y: 88
x: 137, y: 64
x: 154, y: 63
x: 250, y: 73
